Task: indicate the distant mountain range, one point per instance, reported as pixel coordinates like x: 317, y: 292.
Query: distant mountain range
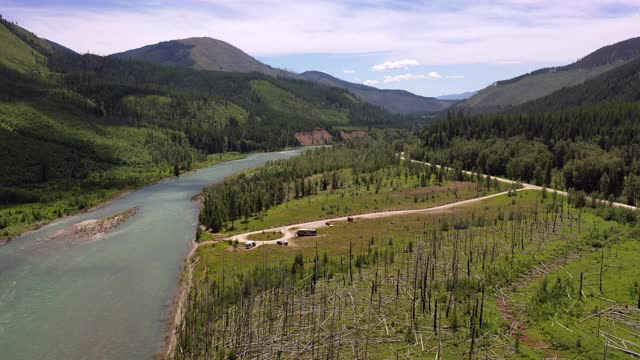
x: 203, y: 53
x: 543, y: 82
x: 461, y: 96
x: 211, y: 54
x: 395, y: 101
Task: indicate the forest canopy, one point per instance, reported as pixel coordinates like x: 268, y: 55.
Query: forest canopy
x: 595, y: 149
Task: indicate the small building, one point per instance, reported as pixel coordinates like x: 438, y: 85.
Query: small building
x: 306, y: 232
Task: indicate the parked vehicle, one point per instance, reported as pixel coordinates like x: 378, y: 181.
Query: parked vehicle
x: 328, y: 223
x: 283, y: 242
x: 249, y: 244
x: 306, y: 232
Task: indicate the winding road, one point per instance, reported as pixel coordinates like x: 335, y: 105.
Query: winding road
x: 289, y: 232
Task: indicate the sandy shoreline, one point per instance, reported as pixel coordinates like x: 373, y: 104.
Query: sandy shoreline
x: 38, y: 226
x: 93, y: 229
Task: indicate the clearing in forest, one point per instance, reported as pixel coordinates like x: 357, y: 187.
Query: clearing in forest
x: 406, y: 286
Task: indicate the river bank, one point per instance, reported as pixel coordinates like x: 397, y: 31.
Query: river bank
x: 177, y: 311
x: 111, y: 298
x: 120, y: 194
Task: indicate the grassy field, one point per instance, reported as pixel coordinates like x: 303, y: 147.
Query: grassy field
x: 583, y: 326
x: 420, y: 286
x: 335, y: 240
x: 397, y: 192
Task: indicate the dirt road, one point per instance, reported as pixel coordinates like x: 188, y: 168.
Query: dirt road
x: 524, y: 185
x: 290, y: 231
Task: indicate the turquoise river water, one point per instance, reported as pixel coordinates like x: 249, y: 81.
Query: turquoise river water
x: 109, y: 298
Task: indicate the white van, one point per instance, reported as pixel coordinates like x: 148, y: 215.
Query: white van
x: 249, y: 244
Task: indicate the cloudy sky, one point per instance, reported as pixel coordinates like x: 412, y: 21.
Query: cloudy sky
x: 430, y: 47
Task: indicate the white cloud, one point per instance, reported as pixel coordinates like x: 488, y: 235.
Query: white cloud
x: 348, y: 71
x: 434, y: 75
x: 398, y: 78
x: 455, y: 77
x: 395, y: 65
x: 371, y: 82
x: 485, y: 31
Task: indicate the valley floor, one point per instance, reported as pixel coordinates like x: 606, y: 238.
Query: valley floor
x: 484, y: 276
x: 396, y: 285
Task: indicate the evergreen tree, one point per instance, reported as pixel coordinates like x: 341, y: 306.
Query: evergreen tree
x: 632, y: 189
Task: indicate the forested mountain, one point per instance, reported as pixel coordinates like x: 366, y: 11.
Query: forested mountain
x: 622, y: 51
x: 77, y: 128
x: 619, y: 84
x: 59, y: 47
x: 543, y: 82
x: 395, y: 101
x: 202, y: 53
x: 217, y: 111
x: 211, y: 54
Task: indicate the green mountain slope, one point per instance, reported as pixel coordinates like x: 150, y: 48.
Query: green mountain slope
x: 75, y: 129
x: 18, y: 55
x: 211, y: 54
x: 201, y: 53
x: 543, y: 82
x: 621, y: 84
x: 530, y: 88
x: 395, y: 101
x: 285, y: 102
x: 622, y: 51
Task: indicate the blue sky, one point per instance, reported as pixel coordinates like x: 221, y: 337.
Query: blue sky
x: 427, y: 47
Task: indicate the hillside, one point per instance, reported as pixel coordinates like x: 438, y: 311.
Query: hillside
x: 211, y: 54
x: 543, y: 82
x: 200, y: 53
x: 18, y: 55
x: 395, y: 101
x: 58, y: 47
x: 76, y: 129
x: 621, y: 84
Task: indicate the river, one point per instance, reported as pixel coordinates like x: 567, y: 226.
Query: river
x: 109, y: 298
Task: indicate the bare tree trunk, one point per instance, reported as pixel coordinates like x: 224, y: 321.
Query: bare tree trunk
x: 601, y: 268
